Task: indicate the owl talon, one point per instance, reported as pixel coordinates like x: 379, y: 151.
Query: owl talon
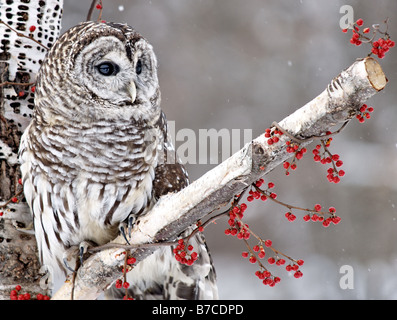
x: 72, y: 253
x: 122, y: 231
x: 131, y: 220
x: 127, y: 225
x: 66, y: 264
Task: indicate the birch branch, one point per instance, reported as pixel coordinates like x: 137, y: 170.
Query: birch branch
x: 338, y: 103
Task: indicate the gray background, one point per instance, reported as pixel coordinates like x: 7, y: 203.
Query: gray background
x: 241, y: 65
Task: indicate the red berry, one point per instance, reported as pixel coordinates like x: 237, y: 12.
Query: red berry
x: 244, y: 254
x: 360, y: 22
x: 126, y: 285
x: 98, y: 6
x: 32, y: 28
x: 271, y: 260
x: 268, y: 243
x: 118, y: 284
x: 306, y: 217
x: 300, y: 262
x: 335, y: 220
x: 326, y: 222
x: 280, y: 262
x: 298, y: 274
x: 194, y: 255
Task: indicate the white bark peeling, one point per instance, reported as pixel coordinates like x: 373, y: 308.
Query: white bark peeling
x: 337, y: 104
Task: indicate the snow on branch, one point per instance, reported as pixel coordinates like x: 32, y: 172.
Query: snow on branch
x: 174, y: 213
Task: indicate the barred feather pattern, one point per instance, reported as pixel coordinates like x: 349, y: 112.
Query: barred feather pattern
x: 98, y: 150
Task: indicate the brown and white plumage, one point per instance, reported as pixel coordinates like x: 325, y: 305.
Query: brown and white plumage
x: 97, y: 150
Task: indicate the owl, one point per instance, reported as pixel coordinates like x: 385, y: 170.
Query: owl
x: 97, y: 154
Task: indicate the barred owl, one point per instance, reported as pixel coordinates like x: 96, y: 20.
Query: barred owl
x: 97, y: 152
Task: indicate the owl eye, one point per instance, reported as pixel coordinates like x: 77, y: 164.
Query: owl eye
x: 108, y: 68
x: 138, y: 68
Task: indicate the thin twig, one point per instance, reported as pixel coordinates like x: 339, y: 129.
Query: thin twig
x: 10, y: 200
x: 19, y: 34
x: 302, y: 140
x: 8, y: 83
x: 93, y: 3
x: 290, y: 207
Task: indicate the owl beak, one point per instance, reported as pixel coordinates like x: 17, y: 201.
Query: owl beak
x: 132, y: 91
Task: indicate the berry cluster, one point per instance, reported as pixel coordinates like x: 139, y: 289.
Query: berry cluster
x: 364, y: 113
x: 257, y: 253
x: 293, y: 147
x: 128, y: 266
x: 261, y: 194
x: 236, y: 227
x: 16, y: 295
x: 272, y: 135
x: 380, y: 46
x: 263, y: 273
x: 318, y: 216
x: 322, y: 154
x: 183, y: 253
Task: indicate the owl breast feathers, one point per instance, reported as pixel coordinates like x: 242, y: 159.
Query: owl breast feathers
x: 97, y: 151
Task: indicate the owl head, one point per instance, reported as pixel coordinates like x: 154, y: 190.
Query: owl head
x: 98, y: 71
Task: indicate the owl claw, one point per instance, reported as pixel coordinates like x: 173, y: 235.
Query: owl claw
x: 72, y: 252
x: 66, y: 264
x: 122, y: 231
x: 127, y: 225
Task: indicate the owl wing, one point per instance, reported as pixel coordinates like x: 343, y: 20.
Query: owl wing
x: 198, y: 281
x: 161, y: 276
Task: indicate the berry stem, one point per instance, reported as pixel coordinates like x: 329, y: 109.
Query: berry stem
x: 23, y: 36
x: 290, y: 207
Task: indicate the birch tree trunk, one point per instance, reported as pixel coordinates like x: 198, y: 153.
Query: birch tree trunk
x: 19, y: 63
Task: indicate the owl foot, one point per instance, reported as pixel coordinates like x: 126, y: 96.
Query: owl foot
x: 74, y: 251
x: 126, y: 225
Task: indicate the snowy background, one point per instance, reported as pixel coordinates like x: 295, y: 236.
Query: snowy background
x: 241, y: 65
